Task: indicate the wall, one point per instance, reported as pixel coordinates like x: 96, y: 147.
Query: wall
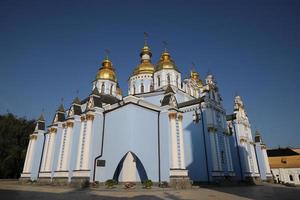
x: 195, y: 159
x: 58, y: 139
x: 129, y: 128
x: 37, y: 155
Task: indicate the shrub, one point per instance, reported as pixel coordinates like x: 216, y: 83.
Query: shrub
x: 110, y: 183
x: 147, y: 183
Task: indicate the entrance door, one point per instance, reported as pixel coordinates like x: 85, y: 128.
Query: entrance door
x: 130, y: 169
x: 129, y: 172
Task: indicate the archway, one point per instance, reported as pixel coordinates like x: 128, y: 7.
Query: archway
x: 131, y: 164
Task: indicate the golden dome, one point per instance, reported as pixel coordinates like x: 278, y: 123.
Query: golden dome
x: 165, y: 62
x: 195, y: 76
x: 146, y: 67
x: 107, y: 72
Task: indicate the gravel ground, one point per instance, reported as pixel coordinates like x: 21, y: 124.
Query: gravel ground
x: 12, y: 190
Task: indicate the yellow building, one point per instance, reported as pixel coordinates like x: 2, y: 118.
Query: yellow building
x: 285, y: 165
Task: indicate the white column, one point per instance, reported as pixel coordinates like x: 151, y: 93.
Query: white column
x: 65, y: 147
x: 45, y: 153
x: 268, y: 171
x: 182, y: 160
x: 66, y: 150
x: 172, y: 118
x: 250, y: 158
x: 86, y: 146
x: 50, y: 152
x: 62, y: 147
x: 177, y: 148
x: 81, y: 143
x: 33, y: 139
x: 254, y: 158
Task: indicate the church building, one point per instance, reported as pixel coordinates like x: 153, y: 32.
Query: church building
x: 167, y: 129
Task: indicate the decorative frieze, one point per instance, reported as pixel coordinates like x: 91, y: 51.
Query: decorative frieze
x: 172, y: 115
x: 70, y: 124
x: 83, y: 118
x: 33, y: 136
x: 90, y: 117
x: 52, y: 130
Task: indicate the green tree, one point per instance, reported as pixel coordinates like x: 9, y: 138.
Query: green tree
x: 14, y: 138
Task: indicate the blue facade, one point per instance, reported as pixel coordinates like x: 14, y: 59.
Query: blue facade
x: 136, y: 131
x: 195, y: 151
x: 172, y: 131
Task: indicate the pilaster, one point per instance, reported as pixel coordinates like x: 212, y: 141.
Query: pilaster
x: 178, y: 173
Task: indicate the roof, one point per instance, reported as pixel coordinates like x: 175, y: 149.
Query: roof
x: 108, y: 99
x: 97, y: 101
x: 41, y: 118
x: 101, y: 98
x: 61, y: 108
x: 191, y: 102
x: 281, y: 152
x: 296, y: 150
x: 76, y: 101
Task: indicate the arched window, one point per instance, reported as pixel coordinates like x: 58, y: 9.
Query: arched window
x: 142, y: 88
x: 299, y: 177
x: 158, y: 81
x: 111, y: 88
x: 102, y: 88
x: 168, y: 79
x: 177, y: 78
x: 151, y: 87
x: 291, y: 178
x: 133, y: 89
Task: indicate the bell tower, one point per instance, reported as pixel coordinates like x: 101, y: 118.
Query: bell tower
x: 142, y: 79
x: 106, y: 80
x: 245, y: 141
x: 166, y: 72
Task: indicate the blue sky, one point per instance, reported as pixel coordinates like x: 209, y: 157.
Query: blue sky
x: 51, y: 49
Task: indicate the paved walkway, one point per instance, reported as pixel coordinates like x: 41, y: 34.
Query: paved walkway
x: 11, y: 190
